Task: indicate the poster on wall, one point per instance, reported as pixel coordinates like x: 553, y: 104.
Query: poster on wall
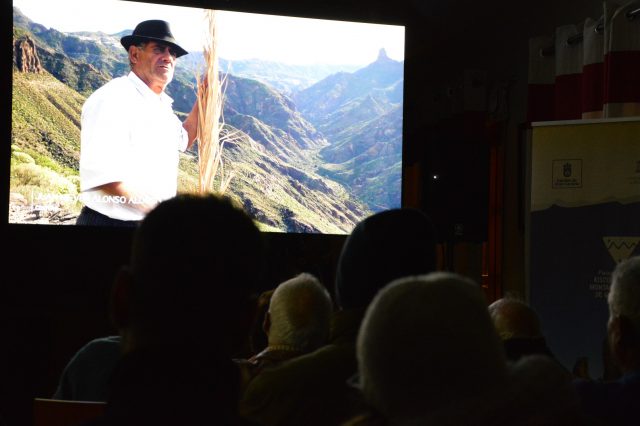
x: 585, y: 210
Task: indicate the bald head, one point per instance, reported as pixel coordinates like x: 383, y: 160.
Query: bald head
x: 514, y: 319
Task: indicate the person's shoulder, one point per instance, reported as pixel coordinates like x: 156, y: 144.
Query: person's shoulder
x: 103, y: 347
x: 108, y: 341
x: 114, y: 96
x: 325, y: 366
x: 116, y: 87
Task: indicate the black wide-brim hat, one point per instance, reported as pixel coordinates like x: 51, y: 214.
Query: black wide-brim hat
x: 153, y: 30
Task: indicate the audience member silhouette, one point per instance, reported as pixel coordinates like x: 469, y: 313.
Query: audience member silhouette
x: 616, y: 402
x: 311, y: 389
x: 428, y: 353
x: 184, y: 306
x: 519, y: 329
x: 86, y: 377
x: 296, y: 322
x: 540, y: 393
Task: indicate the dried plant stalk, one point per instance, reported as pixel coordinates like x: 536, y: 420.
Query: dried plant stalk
x: 210, y: 98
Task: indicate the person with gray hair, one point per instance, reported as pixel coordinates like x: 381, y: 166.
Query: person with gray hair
x: 296, y: 323
x: 624, y: 308
x: 615, y: 403
x: 427, y: 350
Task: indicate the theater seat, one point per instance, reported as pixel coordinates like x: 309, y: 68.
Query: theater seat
x: 55, y: 412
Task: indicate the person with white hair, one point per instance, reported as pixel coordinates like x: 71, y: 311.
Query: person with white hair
x: 427, y: 350
x: 297, y: 321
x: 616, y: 402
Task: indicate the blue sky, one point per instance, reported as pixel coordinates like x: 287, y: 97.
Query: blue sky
x: 241, y: 35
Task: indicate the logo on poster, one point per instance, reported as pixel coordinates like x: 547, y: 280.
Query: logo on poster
x: 567, y: 173
x: 620, y: 248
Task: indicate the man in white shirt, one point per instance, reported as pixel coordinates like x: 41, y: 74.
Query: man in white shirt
x: 130, y: 136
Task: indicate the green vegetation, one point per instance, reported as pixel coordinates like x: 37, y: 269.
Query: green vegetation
x: 187, y: 174
x: 18, y: 157
x: 46, y: 118
x: 41, y: 185
x: 45, y: 148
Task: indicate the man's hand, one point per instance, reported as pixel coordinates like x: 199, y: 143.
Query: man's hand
x: 191, y: 124
x: 135, y: 200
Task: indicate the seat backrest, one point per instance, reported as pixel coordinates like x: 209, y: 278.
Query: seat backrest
x: 55, y: 412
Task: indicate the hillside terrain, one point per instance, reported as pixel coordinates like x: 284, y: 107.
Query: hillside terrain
x: 361, y: 114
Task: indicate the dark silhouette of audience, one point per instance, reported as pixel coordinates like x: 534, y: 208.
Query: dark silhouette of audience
x: 86, y: 377
x: 428, y: 352
x: 406, y: 345
x: 540, y: 393
x: 616, y: 402
x: 184, y: 307
x: 312, y: 389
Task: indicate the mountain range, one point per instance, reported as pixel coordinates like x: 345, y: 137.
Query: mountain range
x: 326, y: 152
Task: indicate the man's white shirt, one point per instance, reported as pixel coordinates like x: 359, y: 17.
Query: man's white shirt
x: 131, y: 135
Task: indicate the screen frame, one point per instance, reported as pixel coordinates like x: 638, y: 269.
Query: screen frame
x: 349, y: 10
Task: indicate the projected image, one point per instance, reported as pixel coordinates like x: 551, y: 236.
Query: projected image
x: 309, y: 135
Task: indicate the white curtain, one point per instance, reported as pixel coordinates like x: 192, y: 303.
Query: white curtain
x: 593, y: 69
x: 541, y: 80
x: 622, y: 62
x: 568, y: 87
x: 590, y: 70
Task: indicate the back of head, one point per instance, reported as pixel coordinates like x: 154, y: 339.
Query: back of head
x: 195, y: 262
x: 300, y: 313
x: 623, y: 327
x: 540, y: 393
x: 624, y: 295
x: 388, y: 245
x: 514, y: 319
x: 427, y: 342
x: 519, y: 328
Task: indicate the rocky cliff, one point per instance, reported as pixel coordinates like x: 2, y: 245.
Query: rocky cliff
x: 25, y: 56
